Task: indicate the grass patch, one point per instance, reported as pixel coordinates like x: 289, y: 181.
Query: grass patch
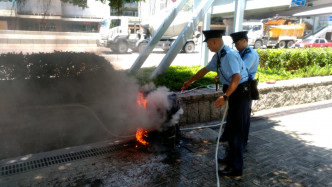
x: 177, y: 75
x: 274, y: 64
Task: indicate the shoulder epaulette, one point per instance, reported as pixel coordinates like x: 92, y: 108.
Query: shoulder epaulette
x: 246, y: 51
x: 223, y: 52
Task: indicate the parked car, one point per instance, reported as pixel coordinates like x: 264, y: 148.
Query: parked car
x: 314, y: 42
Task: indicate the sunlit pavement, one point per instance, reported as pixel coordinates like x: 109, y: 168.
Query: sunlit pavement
x: 125, y: 61
x: 289, y: 146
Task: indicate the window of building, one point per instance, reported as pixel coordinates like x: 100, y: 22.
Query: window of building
x: 115, y: 23
x: 38, y: 25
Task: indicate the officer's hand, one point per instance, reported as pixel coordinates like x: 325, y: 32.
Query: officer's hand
x: 216, y: 79
x: 186, y: 85
x: 219, y: 102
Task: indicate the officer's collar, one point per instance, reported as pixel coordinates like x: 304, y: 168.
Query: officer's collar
x: 243, y: 50
x: 221, y: 49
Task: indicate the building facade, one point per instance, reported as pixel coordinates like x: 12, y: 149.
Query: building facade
x: 57, y: 16
x: 51, y: 15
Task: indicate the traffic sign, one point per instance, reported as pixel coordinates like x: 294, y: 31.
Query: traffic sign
x: 298, y: 3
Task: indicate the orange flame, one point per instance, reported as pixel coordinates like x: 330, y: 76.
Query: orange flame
x: 140, y: 134
x: 141, y: 101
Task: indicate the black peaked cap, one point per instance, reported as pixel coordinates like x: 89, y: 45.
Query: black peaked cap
x: 236, y: 36
x: 213, y: 34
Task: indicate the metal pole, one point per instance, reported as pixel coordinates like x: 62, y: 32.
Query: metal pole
x: 204, y: 49
x: 182, y: 38
x: 238, y: 15
x: 155, y: 39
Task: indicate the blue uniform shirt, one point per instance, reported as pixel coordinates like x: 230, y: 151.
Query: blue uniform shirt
x: 230, y: 64
x: 251, y: 60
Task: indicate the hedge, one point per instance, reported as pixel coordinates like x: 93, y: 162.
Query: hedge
x: 57, y: 65
x: 294, y: 59
x: 57, y: 78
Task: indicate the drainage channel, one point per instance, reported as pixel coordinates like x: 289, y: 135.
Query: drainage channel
x: 41, y: 160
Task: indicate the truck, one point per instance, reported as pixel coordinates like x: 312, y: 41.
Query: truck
x: 278, y: 32
x: 116, y: 34
x: 149, y: 27
x: 313, y: 42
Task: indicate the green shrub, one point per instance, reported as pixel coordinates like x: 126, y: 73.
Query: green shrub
x: 11, y: 66
x: 263, y: 56
x: 294, y: 59
x: 54, y: 78
x: 175, y: 77
x: 275, y: 64
x: 298, y: 60
x: 271, y: 58
x: 57, y: 65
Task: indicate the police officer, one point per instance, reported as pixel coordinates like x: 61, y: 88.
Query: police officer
x: 251, y: 60
x: 233, y: 75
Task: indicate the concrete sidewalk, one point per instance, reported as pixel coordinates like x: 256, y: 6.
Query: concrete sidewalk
x: 288, y: 146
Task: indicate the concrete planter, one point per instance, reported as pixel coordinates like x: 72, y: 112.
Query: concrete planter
x: 198, y: 104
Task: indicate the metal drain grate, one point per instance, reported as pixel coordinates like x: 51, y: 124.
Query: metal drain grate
x: 12, y: 169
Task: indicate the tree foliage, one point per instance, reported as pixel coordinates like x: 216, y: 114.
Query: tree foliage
x: 117, y: 4
x: 80, y: 3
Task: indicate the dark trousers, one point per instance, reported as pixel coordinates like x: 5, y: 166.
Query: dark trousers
x: 237, y: 126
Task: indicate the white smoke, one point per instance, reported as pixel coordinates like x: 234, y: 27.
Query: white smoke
x: 157, y: 107
x: 156, y: 112
x: 176, y: 117
x: 127, y: 113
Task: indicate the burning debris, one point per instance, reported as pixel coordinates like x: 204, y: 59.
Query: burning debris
x: 141, y: 101
x: 163, y: 111
x: 140, y: 135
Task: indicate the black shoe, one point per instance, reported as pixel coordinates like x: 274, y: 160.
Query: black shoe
x: 229, y: 172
